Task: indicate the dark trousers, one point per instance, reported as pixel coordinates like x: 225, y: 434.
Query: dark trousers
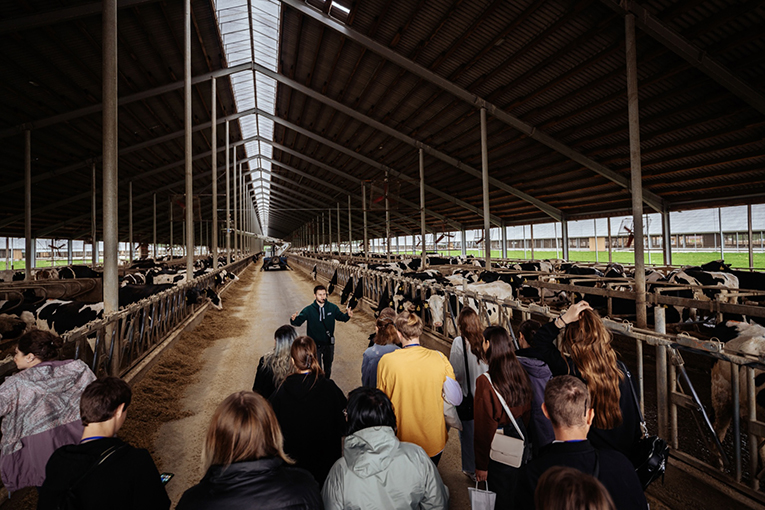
x: 437, y: 458
x: 326, y: 354
x: 503, y: 480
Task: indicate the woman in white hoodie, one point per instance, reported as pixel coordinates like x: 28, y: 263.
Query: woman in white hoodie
x: 377, y: 470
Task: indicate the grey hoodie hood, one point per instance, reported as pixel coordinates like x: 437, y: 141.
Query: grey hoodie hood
x: 369, y: 451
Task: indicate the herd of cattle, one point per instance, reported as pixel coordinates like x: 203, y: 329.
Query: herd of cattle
x: 146, y: 278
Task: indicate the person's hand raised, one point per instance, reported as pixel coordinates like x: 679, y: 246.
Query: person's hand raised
x: 294, y: 315
x: 573, y: 312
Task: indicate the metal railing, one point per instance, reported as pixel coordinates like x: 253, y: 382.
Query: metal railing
x: 670, y: 375
x: 114, y: 344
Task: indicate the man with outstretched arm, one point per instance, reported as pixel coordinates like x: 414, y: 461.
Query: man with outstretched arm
x: 321, y: 316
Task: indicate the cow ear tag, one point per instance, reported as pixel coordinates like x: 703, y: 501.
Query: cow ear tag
x: 426, y: 305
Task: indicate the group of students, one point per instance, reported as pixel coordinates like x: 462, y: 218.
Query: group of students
x: 296, y: 441
x: 573, y: 407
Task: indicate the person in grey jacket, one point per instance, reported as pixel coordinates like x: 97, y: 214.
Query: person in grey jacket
x: 377, y: 470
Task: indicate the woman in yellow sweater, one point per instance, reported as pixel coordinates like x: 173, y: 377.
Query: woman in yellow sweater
x: 418, y: 380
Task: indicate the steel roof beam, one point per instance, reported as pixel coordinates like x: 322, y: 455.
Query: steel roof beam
x: 497, y: 221
x: 546, y: 208
x: 653, y: 200
x: 684, y: 49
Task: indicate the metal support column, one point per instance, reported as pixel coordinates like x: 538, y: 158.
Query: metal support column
x: 69, y: 252
x: 610, y: 248
x: 329, y: 222
x: 662, y: 386
x: 131, y: 255
x: 749, y: 240
x: 595, y: 234
x: 423, y: 260
x: 214, y: 134
x: 172, y: 251
x: 28, y: 245
x: 463, y: 242
x: 564, y: 236
x: 636, y: 181
x: 339, y: 247
x: 110, y: 173
x: 228, y: 201
x: 485, y: 182
x: 93, y: 212
x: 531, y: 233
x: 350, y: 230
x: 154, y: 237
x: 387, y: 218
x: 504, y: 240
x: 234, y: 179
x: 187, y: 137
x: 364, y: 207
x: 323, y: 239
x: 666, y: 234
x: 722, y: 236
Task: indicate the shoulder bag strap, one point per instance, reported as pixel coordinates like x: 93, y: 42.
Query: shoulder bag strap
x: 504, y: 406
x: 467, y: 370
x: 105, y: 455
x: 643, y: 425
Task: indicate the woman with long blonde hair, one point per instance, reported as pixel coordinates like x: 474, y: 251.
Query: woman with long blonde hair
x: 468, y: 347
x: 276, y: 365
x: 246, y: 466
x: 309, y: 408
x: 588, y: 354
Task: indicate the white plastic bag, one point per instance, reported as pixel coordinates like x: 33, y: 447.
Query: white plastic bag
x: 480, y: 499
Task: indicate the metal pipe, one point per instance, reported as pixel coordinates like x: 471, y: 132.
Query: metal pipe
x: 234, y: 179
x: 750, y: 241
x: 485, y: 183
x: 28, y: 256
x: 339, y: 249
x: 154, y: 237
x: 172, y: 251
x: 110, y: 182
x: 666, y: 232
x: 364, y: 207
x: 187, y: 137
x: 323, y: 239
x: 595, y: 233
x: 734, y: 390
x: 387, y: 218
x: 228, y: 201
x: 214, y: 135
x: 722, y: 237
x: 350, y: 230
x: 463, y: 238
x: 531, y: 233
x: 423, y: 260
x: 636, y: 171
x: 753, y: 440
x: 662, y: 399
x: 504, y: 240
x: 610, y: 252
x: 131, y: 255
x: 94, y: 251
x: 69, y: 252
x: 564, y: 236
x: 524, y: 243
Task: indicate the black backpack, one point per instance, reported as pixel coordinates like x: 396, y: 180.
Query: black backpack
x: 69, y: 500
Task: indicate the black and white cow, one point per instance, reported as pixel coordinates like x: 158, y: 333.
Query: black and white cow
x: 748, y: 338
x: 70, y: 272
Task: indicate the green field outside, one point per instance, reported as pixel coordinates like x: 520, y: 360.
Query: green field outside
x: 20, y: 264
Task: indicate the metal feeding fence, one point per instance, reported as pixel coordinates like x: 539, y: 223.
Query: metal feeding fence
x: 674, y: 387
x: 115, y: 344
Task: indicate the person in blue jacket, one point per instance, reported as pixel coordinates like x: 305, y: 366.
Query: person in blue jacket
x: 321, y: 316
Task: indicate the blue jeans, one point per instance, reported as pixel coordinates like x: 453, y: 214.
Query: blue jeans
x: 466, y: 441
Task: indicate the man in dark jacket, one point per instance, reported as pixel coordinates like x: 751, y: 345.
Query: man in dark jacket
x: 567, y: 405
x: 321, y: 316
x: 103, y: 471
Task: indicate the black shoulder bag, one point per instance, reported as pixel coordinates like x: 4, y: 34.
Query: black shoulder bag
x: 68, y: 500
x: 651, y: 452
x: 465, y: 409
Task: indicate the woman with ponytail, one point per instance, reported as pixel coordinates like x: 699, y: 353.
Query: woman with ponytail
x: 40, y: 407
x: 309, y: 408
x: 384, y: 342
x: 588, y: 354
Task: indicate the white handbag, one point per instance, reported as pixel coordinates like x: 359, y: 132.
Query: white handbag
x: 506, y: 449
